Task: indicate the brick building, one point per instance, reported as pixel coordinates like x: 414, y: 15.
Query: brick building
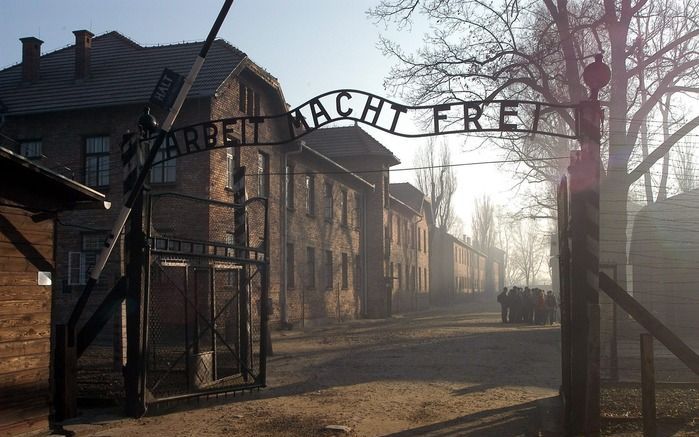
x: 410, y: 218
x: 457, y: 269
x: 495, y: 270
x: 68, y: 110
x: 354, y: 149
x: 323, y: 240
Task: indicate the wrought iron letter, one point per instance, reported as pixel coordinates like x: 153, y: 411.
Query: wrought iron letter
x: 319, y: 112
x: 191, y: 139
x: 256, y: 128
x: 376, y: 109
x: 210, y: 135
x: 399, y: 109
x: 296, y: 119
x: 339, y: 108
x: 228, y: 132
x: 468, y: 119
x: 438, y: 116
x: 504, y: 112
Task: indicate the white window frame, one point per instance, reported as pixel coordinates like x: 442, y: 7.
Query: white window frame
x: 76, y: 258
x: 101, y: 161
x: 230, y: 167
x: 31, y: 149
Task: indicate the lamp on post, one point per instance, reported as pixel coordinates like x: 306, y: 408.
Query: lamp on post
x: 147, y: 124
x: 596, y: 75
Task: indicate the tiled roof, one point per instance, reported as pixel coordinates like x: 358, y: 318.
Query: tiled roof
x: 347, y: 141
x: 121, y: 72
x: 408, y: 194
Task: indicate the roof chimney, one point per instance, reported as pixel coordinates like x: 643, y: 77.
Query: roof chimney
x: 31, y: 52
x: 83, y: 49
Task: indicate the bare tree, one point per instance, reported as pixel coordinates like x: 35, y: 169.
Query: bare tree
x: 685, y: 168
x: 483, y: 223
x: 504, y: 239
x: 537, y: 50
x: 437, y: 180
x: 528, y: 250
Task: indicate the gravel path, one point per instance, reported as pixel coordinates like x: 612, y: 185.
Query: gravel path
x: 442, y: 372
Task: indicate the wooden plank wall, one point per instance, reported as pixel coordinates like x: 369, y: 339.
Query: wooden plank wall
x: 25, y: 322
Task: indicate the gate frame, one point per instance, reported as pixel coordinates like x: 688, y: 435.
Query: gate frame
x: 135, y: 381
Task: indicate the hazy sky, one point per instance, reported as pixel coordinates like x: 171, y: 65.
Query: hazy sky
x: 311, y: 46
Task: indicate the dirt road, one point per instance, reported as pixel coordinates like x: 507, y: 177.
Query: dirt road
x: 443, y: 372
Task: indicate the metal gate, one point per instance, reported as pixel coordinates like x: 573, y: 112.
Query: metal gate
x: 206, y: 300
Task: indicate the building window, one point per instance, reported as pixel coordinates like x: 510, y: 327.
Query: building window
x: 389, y: 228
x: 80, y: 263
x: 30, y: 149
x: 398, y: 230
x: 249, y: 100
x: 230, y: 167
x: 310, y: 195
x: 310, y: 267
x: 97, y: 161
x: 289, y: 187
x: 328, y: 269
x: 343, y: 207
x: 290, y: 266
x: 231, y: 275
x: 256, y: 105
x: 76, y: 268
x: 419, y: 279
x: 400, y: 275
x: 345, y: 271
x: 164, y: 172
x: 328, y: 201
x: 357, y: 272
x: 357, y: 210
x: 390, y: 274
x: 262, y: 174
x: 413, y: 284
x: 419, y: 240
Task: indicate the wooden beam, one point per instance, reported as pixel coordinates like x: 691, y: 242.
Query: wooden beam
x: 654, y: 326
x: 648, y: 386
x: 101, y: 316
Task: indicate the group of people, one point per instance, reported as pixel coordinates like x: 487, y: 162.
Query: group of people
x: 525, y: 305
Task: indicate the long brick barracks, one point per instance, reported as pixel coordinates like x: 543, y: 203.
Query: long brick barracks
x: 344, y: 242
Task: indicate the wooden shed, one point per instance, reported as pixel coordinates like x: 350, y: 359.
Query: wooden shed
x: 31, y: 196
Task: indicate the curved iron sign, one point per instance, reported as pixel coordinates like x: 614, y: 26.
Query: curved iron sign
x: 518, y: 116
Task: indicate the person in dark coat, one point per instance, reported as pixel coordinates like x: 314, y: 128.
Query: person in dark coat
x: 513, y: 303
x: 502, y: 300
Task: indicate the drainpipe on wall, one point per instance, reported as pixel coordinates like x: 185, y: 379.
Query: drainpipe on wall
x: 417, y: 260
x: 284, y: 314
x: 362, y: 254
